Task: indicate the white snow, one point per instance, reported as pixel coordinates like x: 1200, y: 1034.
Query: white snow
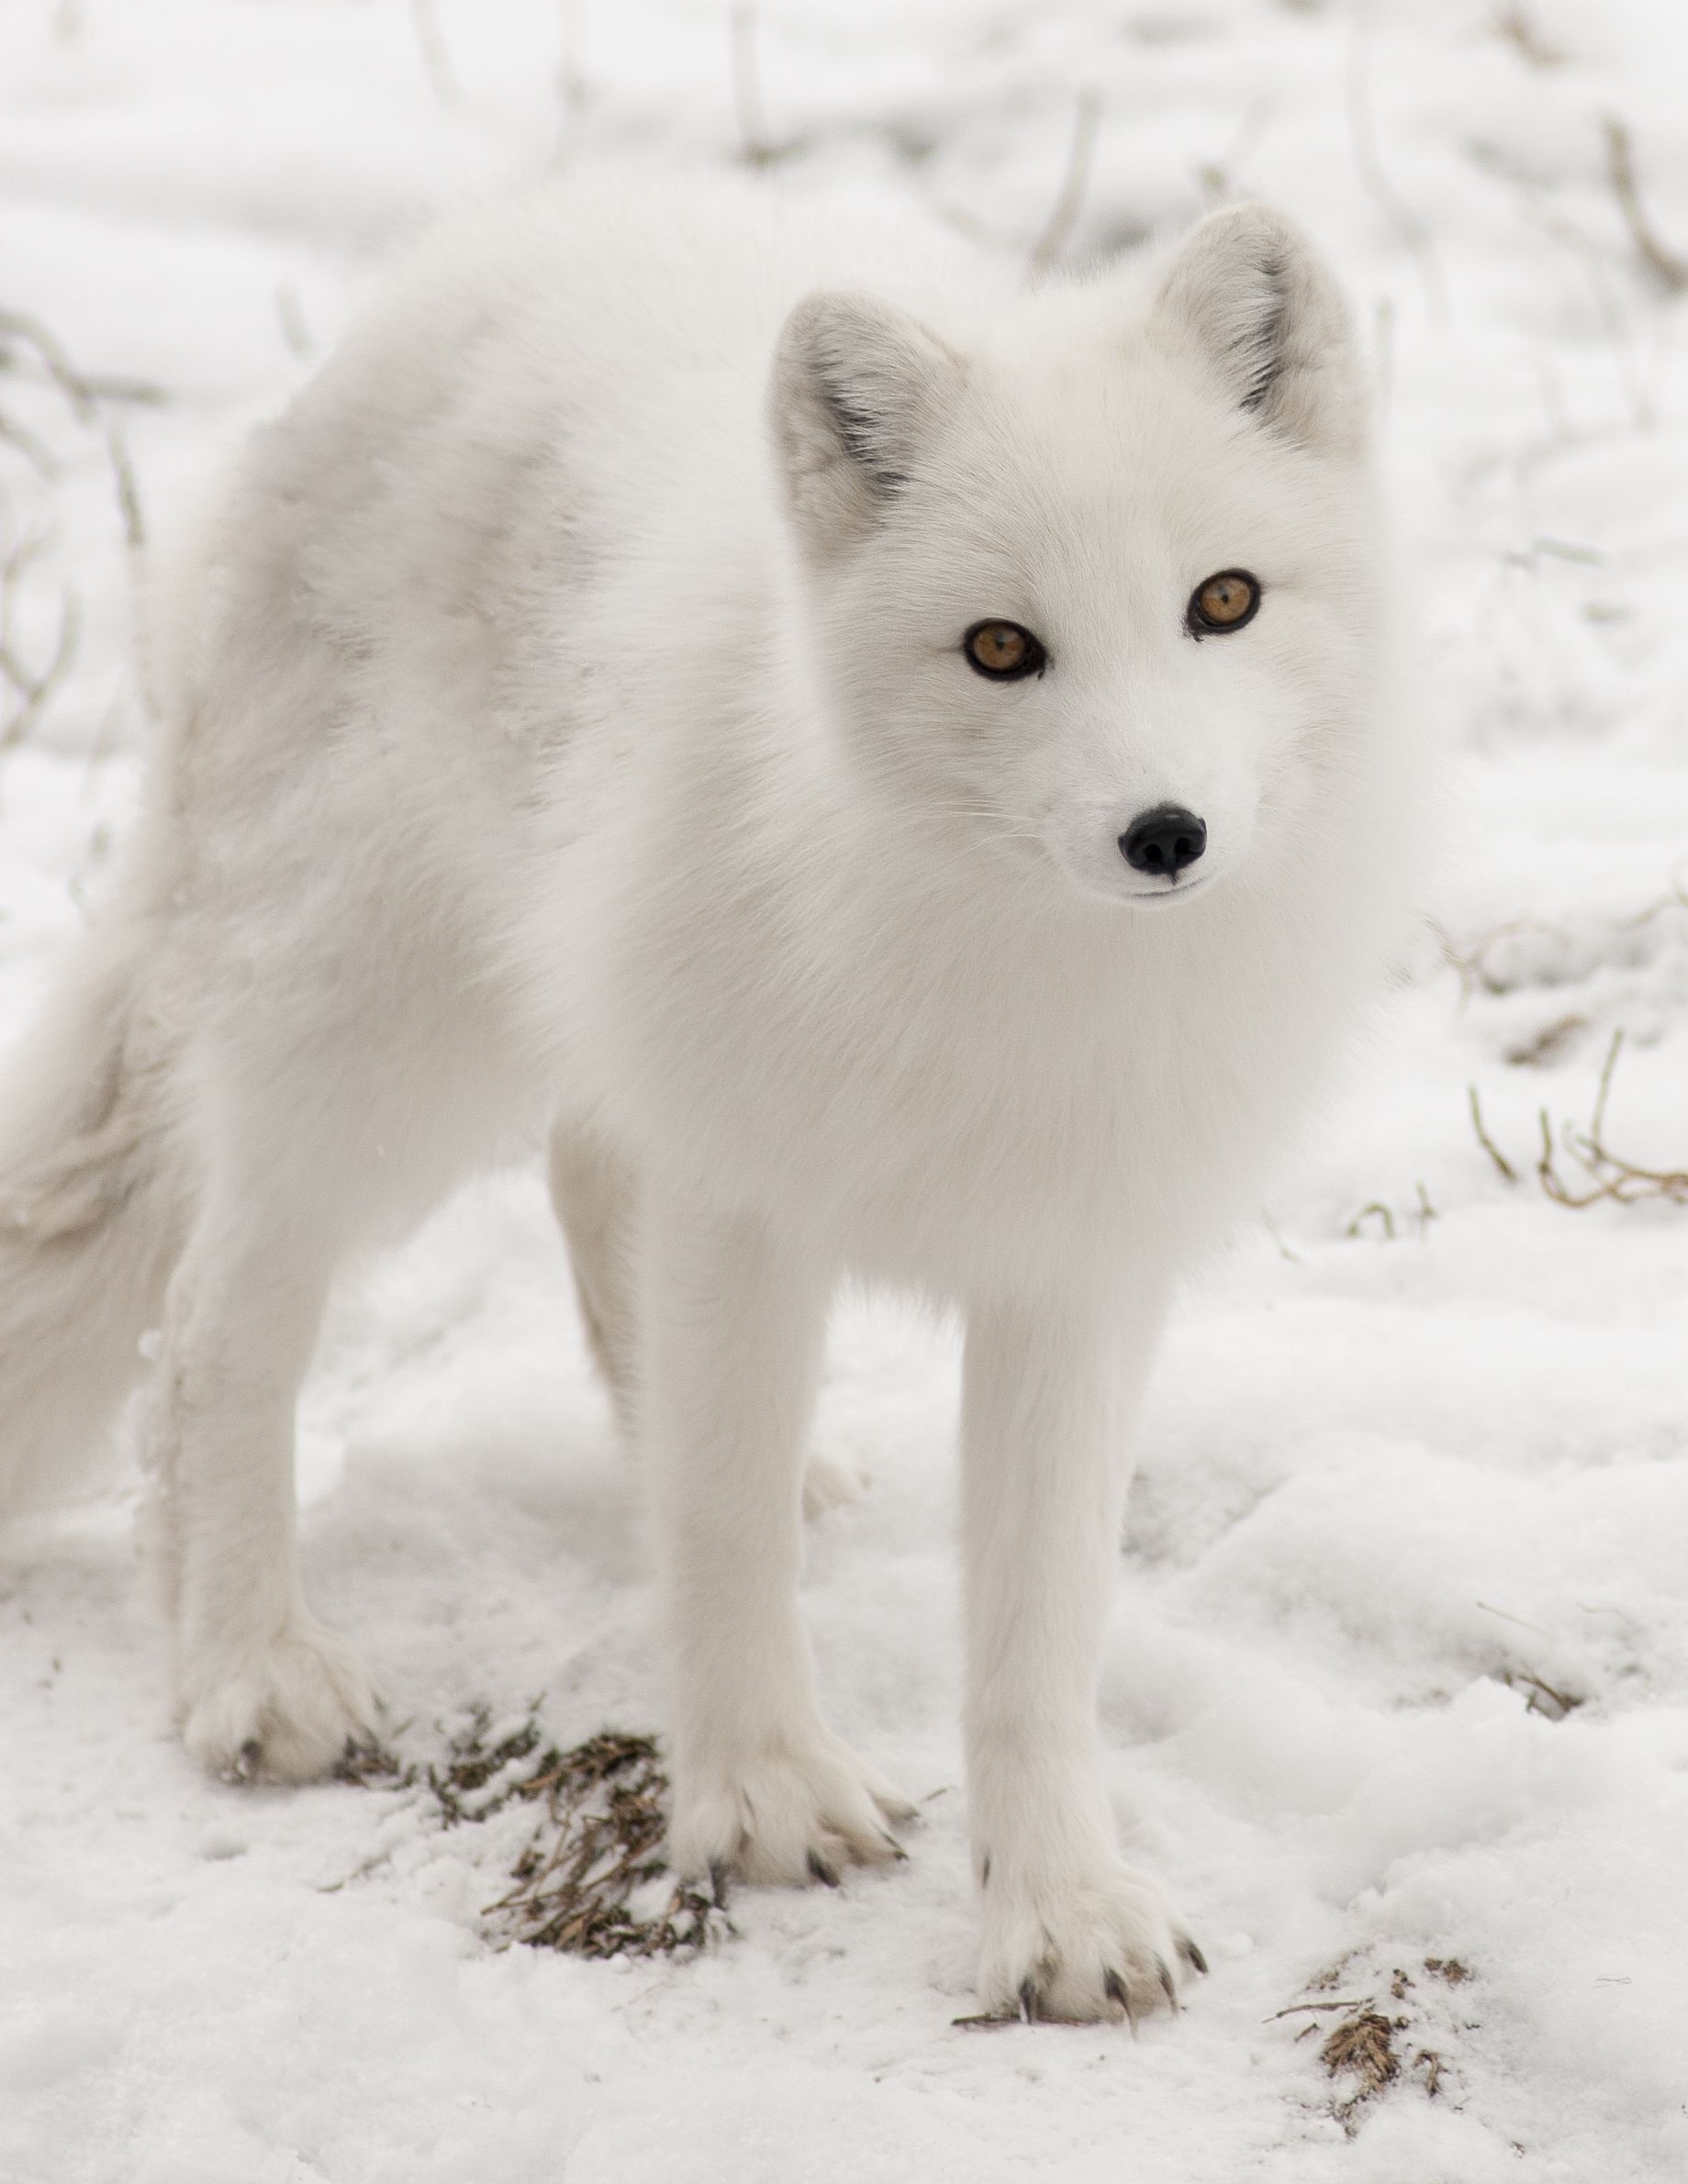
x: 1381, y: 1473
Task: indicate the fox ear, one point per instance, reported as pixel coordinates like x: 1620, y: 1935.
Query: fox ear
x: 1251, y: 293
x: 858, y: 386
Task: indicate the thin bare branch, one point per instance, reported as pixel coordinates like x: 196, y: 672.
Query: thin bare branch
x: 1284, y: 1252
x: 36, y: 692
x: 290, y: 316
x: 1668, y: 268
x: 15, y: 325
x: 1610, y: 1174
x: 34, y: 450
x: 756, y: 145
x: 436, y: 60
x: 1216, y: 175
x: 1486, y: 1141
x: 80, y: 389
x: 1368, y: 165
x: 129, y: 492
x: 1514, y: 23
x: 1069, y: 199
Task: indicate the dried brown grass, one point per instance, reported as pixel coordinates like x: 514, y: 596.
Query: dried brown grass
x: 588, y: 1881
x: 32, y: 355
x: 1578, y: 1168
x: 1374, y: 2046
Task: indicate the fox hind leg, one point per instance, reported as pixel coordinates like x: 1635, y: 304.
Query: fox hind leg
x: 314, y: 1141
x: 262, y: 1687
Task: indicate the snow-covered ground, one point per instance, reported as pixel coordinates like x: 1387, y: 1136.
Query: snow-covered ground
x: 1399, y: 1668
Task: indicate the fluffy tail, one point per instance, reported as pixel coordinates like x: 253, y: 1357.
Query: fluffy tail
x: 93, y: 1210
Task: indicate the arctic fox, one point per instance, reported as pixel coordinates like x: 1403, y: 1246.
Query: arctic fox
x: 901, y: 775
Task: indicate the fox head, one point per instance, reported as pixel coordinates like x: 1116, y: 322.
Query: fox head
x: 1096, y: 583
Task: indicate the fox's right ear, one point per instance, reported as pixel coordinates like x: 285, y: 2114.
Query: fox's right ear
x: 858, y: 386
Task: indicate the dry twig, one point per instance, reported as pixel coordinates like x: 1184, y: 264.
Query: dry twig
x: 129, y: 492
x: 1668, y: 268
x: 1471, y: 960
x: 1514, y: 23
x: 1565, y: 957
x: 1217, y: 175
x: 1607, y: 1175
x: 34, y: 450
x: 290, y: 317
x: 436, y: 60
x: 1368, y: 165
x: 1611, y: 1175
x: 27, y: 345
x: 757, y: 146
x: 1069, y: 199
x: 1593, y: 260
x: 83, y: 390
x: 1542, y: 1698
x: 32, y: 688
x: 1486, y: 1141
x: 1548, y: 1044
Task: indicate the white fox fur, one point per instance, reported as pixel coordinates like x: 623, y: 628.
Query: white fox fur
x: 568, y: 726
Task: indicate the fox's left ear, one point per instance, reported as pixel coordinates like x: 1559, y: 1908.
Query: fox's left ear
x: 1251, y: 296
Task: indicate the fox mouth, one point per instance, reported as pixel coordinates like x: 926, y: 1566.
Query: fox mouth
x: 1168, y: 892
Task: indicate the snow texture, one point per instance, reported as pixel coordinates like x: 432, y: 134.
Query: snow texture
x: 1400, y: 1665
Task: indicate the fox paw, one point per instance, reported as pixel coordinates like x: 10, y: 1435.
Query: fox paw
x: 285, y: 1713
x: 1105, y: 1944
x: 792, y: 1812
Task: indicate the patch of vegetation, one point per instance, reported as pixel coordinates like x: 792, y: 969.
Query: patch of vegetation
x: 589, y: 1880
x: 1603, y: 1172
x: 1373, y: 2045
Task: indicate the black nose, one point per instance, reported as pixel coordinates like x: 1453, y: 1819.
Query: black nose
x: 1163, y: 840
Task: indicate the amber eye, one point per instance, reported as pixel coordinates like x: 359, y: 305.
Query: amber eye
x: 1224, y: 602
x: 1003, y: 650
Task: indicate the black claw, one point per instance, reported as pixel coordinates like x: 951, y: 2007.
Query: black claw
x: 1117, y: 1989
x: 1028, y: 2001
x: 984, y: 1871
x: 1188, y: 1950
x: 821, y: 1871
x: 1164, y: 1974
x: 718, y: 1882
x: 249, y: 1760
x: 894, y: 1847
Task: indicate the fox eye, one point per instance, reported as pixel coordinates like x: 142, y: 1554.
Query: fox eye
x: 1222, y: 602
x: 1003, y: 650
